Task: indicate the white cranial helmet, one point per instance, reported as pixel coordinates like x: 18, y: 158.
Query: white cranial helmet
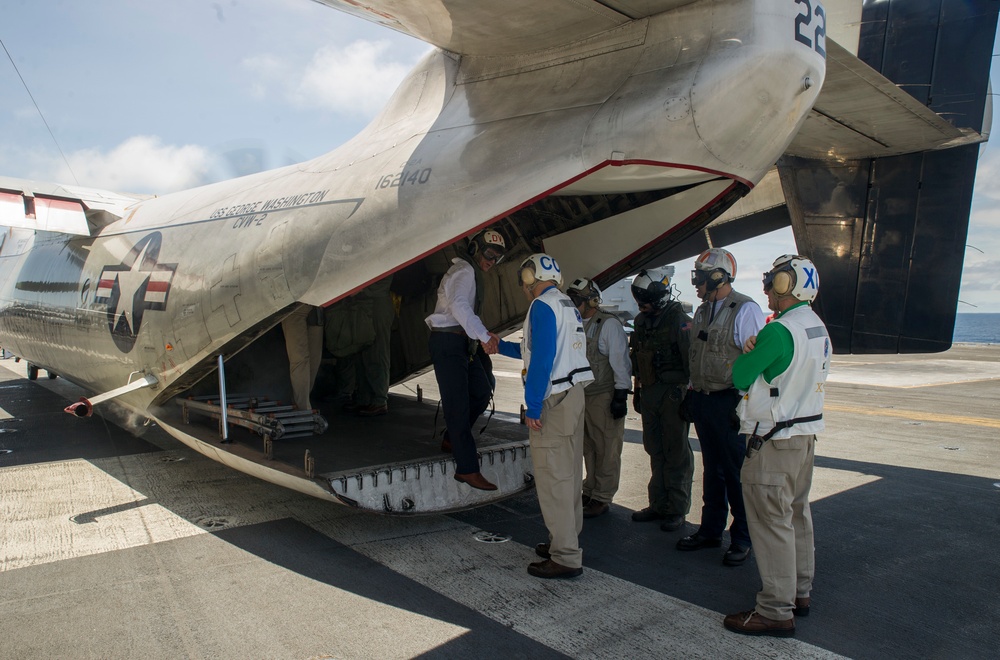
x: 540, y: 267
x: 714, y: 267
x: 584, y: 290
x: 794, y: 275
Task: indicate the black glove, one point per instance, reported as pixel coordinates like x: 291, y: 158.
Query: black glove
x: 637, y: 401
x: 734, y: 420
x: 684, y: 410
x: 619, y: 404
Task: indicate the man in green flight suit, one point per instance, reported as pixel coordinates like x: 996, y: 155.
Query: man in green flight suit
x: 659, y: 350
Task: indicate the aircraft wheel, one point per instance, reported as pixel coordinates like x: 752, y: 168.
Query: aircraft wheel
x: 52, y: 375
x: 32, y: 372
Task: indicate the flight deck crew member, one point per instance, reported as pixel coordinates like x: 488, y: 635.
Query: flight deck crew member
x: 606, y: 399
x: 659, y: 355
x: 554, y: 350
x: 456, y: 333
x: 372, y: 363
x: 723, y: 321
x: 303, y: 330
x: 784, y: 374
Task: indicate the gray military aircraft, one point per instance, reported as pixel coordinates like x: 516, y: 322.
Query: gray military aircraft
x: 632, y: 125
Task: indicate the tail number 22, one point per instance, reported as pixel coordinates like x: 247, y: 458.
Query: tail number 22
x: 804, y: 20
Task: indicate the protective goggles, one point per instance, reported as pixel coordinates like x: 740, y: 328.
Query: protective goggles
x: 769, y: 276
x: 492, y: 255
x: 768, y: 280
x: 699, y: 277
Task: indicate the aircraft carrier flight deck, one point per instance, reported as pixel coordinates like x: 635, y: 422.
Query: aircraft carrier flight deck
x: 119, y: 542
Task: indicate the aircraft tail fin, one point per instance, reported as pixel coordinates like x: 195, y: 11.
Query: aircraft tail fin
x: 891, y: 230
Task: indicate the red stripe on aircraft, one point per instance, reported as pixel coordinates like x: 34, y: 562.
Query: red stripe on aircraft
x: 607, y: 163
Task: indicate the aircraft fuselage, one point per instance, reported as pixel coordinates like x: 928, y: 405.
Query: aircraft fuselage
x: 671, y: 117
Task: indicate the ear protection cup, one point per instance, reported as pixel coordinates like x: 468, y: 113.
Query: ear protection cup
x: 592, y: 303
x: 527, y: 277
x: 783, y: 282
x: 473, y: 247
x: 715, y: 279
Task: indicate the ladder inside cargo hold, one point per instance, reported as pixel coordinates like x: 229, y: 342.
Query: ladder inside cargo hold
x: 269, y: 419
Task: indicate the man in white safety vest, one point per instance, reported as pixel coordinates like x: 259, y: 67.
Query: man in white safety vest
x: 556, y: 370
x: 783, y: 373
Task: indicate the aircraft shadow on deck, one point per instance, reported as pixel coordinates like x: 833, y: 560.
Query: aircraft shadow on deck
x: 906, y: 563
x: 297, y: 547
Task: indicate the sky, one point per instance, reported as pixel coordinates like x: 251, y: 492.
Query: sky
x: 153, y: 97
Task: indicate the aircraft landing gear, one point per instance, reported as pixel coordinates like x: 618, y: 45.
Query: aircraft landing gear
x: 32, y: 372
x: 52, y: 375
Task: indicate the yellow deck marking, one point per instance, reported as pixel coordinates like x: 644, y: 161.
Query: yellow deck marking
x: 917, y: 416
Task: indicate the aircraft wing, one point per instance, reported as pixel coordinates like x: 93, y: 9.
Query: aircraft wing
x: 60, y: 208
x: 862, y: 114
x: 474, y: 27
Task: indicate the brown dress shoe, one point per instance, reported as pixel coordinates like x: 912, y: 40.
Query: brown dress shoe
x: 801, y: 607
x: 542, y: 550
x: 752, y: 623
x: 373, y: 410
x: 595, y: 508
x: 476, y: 480
x: 550, y: 569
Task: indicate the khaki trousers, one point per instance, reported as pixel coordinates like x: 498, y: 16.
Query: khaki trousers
x: 776, y: 482
x: 602, y: 447
x: 557, y: 454
x: 304, y: 344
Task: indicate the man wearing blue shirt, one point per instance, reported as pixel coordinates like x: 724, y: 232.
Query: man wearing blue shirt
x: 556, y: 370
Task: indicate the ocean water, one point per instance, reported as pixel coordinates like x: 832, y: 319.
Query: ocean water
x: 977, y: 329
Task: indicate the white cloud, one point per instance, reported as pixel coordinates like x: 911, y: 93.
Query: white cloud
x: 139, y: 164
x: 354, y: 80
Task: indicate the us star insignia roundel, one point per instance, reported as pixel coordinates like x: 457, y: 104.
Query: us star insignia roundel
x: 137, y: 285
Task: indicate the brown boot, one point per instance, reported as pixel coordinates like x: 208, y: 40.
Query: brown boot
x: 752, y: 623
x: 595, y: 508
